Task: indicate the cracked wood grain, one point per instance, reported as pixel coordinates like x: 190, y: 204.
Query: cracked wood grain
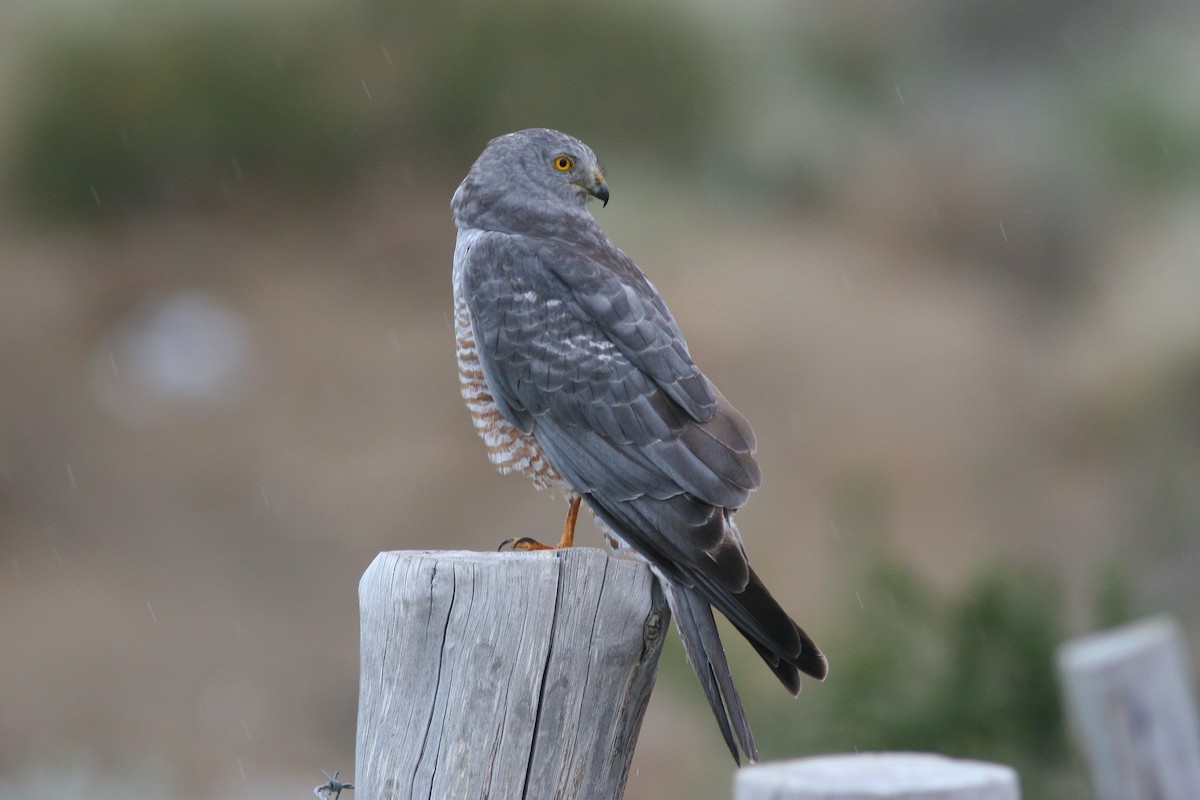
x: 503, y: 675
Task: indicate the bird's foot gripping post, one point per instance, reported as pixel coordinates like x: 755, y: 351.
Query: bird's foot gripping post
x: 504, y: 675
x: 567, y: 539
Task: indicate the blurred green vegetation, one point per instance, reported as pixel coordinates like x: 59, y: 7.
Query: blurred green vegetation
x: 967, y: 673
x: 182, y: 111
x: 142, y: 109
x: 1142, y: 113
x: 607, y: 69
x: 184, y: 107
x: 970, y: 675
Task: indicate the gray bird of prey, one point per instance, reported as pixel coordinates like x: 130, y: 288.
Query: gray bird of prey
x: 577, y: 376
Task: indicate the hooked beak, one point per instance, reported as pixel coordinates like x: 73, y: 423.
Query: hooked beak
x: 600, y: 192
x: 599, y: 189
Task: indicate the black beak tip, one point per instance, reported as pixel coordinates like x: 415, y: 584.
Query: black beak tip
x: 601, y: 193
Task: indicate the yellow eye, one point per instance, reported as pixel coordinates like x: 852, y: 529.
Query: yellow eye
x: 563, y: 163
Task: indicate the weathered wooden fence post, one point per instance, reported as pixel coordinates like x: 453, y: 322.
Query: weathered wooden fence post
x: 503, y: 674
x: 1129, y: 696
x: 879, y: 776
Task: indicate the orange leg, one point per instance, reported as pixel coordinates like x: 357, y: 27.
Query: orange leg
x: 568, y: 534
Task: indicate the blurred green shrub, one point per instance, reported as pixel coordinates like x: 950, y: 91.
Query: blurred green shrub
x: 970, y: 675
x: 127, y: 116
x: 123, y: 124
x: 1141, y: 111
x: 635, y: 74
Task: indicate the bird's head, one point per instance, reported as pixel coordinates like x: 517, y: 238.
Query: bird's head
x: 533, y: 170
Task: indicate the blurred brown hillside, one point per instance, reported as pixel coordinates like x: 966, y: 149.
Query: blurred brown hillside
x: 944, y: 256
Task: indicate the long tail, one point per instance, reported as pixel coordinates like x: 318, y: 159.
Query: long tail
x: 702, y: 645
x: 783, y: 644
x: 704, y: 567
x: 780, y: 642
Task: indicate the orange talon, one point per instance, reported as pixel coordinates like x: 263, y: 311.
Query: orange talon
x: 568, y: 534
x: 524, y: 543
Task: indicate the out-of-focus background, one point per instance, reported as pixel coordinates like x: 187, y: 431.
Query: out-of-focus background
x: 944, y: 255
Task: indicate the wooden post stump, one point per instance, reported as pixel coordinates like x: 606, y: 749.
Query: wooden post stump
x: 504, y: 674
x: 1129, y: 696
x: 877, y: 776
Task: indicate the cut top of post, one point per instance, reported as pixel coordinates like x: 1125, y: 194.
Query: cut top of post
x: 877, y: 776
x: 504, y: 674
x: 1100, y: 651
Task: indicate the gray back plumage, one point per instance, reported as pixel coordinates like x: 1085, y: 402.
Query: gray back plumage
x: 580, y: 352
